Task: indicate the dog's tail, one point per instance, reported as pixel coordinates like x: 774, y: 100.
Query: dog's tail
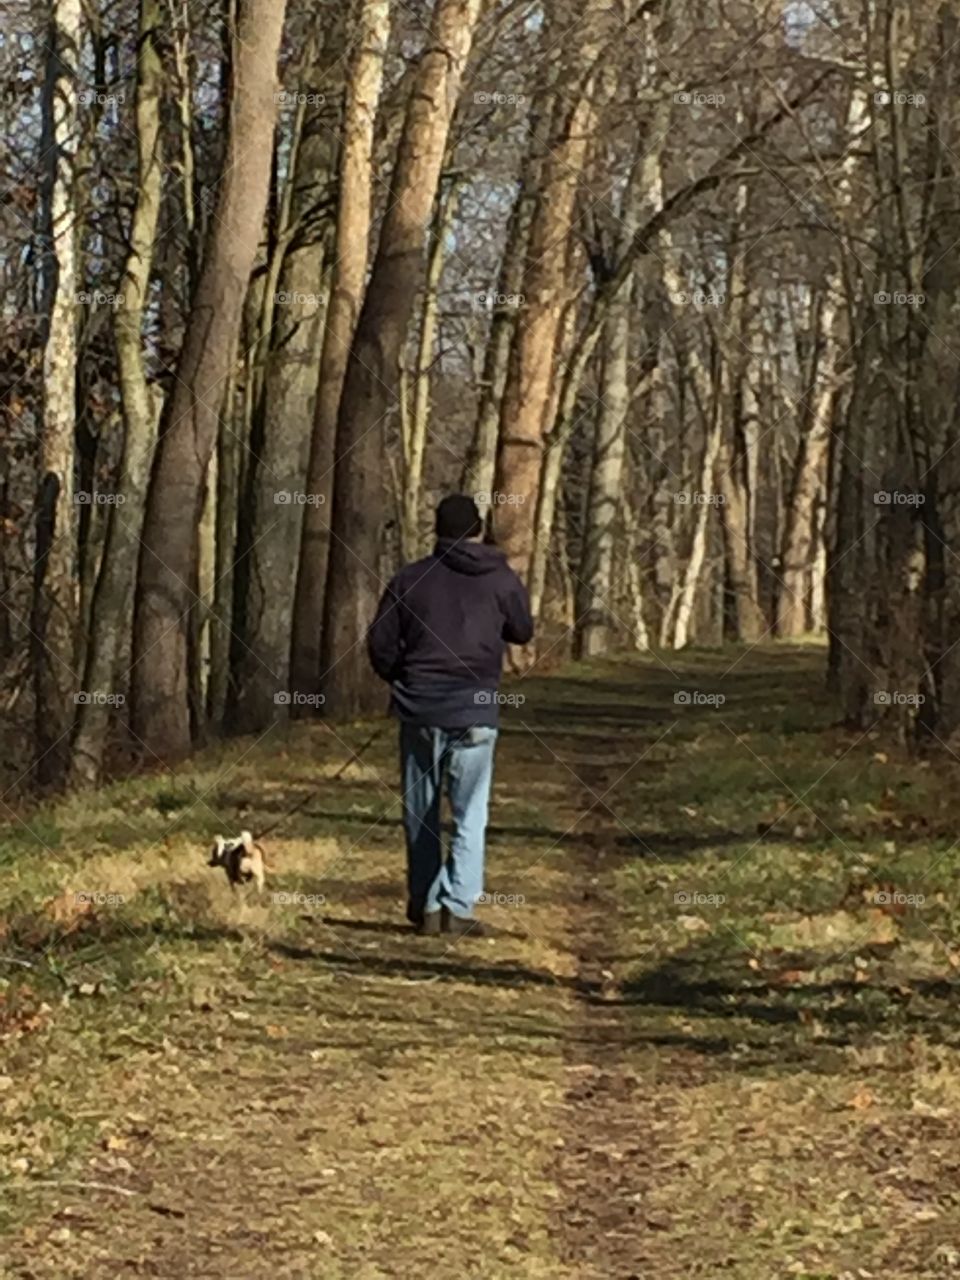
x: 250, y: 846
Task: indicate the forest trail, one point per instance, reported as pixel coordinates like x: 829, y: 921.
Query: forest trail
x: 716, y: 1035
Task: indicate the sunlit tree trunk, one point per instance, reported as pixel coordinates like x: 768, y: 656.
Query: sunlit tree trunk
x: 416, y: 438
x: 167, y: 587
x: 55, y: 600
x: 478, y: 472
x: 735, y: 460
x: 346, y: 292
x: 801, y: 549
x: 523, y: 420
x: 373, y: 370
x: 111, y: 602
x: 276, y: 494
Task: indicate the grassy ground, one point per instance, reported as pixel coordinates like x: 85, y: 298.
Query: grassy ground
x: 716, y: 1035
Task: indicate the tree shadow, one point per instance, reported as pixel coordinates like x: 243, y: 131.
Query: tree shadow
x: 773, y: 1021
x: 421, y: 967
x: 663, y: 845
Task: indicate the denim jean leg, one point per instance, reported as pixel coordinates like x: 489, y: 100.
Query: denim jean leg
x: 421, y: 772
x: 469, y: 777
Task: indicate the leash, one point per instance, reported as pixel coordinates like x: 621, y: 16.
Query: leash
x: 311, y: 795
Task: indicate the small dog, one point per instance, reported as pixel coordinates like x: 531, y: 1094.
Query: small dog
x: 241, y: 859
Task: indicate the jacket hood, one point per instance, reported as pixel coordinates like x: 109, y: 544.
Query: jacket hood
x: 470, y: 558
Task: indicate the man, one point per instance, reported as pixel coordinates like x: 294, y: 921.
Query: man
x: 439, y: 638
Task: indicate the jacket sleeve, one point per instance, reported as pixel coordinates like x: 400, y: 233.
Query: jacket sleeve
x: 385, y: 637
x: 517, y: 623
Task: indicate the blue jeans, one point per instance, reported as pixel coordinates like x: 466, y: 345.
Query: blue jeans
x: 464, y: 757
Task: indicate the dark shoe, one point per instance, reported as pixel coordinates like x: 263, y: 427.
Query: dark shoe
x: 415, y: 912
x: 429, y: 925
x: 461, y: 926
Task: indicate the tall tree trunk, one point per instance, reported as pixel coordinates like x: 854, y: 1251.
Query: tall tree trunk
x: 415, y: 445
x: 276, y: 491
x: 223, y: 481
x: 167, y: 588
x: 346, y: 291
x: 735, y: 460
x: 634, y: 577
x: 526, y: 399
x: 373, y: 371
x: 596, y: 617
x: 478, y: 471
x: 595, y: 614
x: 562, y: 413
x: 55, y: 603
x: 801, y: 547
x: 690, y: 583
x: 111, y: 604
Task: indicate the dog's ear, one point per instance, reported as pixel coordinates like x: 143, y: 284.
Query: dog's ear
x: 246, y: 839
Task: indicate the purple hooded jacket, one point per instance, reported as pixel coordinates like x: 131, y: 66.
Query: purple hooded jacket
x: 441, y: 630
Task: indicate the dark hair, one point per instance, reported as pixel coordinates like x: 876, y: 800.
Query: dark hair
x: 458, y: 517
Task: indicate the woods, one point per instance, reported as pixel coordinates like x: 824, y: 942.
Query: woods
x: 669, y: 285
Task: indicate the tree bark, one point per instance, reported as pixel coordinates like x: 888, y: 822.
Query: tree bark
x: 55, y: 596
x: 346, y: 291
x: 373, y: 370
x: 167, y: 588
x: 277, y: 494
x: 415, y: 445
x: 801, y: 549
x: 596, y: 619
x: 111, y: 601
x: 523, y: 420
x: 478, y: 471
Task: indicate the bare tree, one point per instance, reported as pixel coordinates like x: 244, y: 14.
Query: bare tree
x: 373, y: 370
x: 54, y: 615
x: 168, y: 579
x: 111, y: 601
x: 346, y: 291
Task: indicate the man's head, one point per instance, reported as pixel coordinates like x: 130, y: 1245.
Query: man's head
x: 458, y: 518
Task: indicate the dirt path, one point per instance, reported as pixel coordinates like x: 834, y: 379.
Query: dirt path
x: 692, y: 1050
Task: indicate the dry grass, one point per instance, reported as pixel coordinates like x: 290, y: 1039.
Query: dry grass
x: 621, y: 1083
